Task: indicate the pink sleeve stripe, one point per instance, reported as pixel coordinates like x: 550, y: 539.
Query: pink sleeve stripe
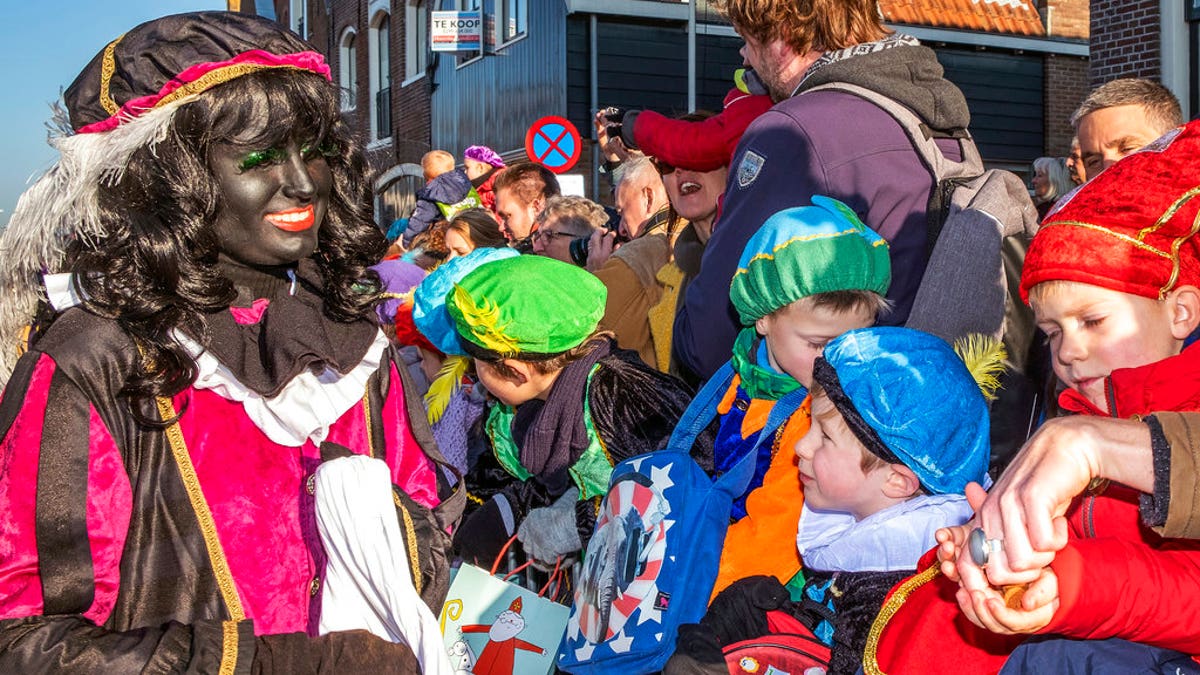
x: 109, y: 508
x: 20, y: 449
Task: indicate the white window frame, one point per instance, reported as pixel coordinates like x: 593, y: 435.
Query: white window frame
x: 416, y: 42
x: 348, y: 68
x: 377, y: 79
x: 502, y: 18
x: 298, y: 17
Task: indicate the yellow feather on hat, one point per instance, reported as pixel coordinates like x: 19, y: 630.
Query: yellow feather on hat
x: 483, y: 319
x: 448, y: 380
x: 984, y: 357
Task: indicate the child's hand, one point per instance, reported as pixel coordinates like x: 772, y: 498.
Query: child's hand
x: 1035, y: 608
x: 952, y: 540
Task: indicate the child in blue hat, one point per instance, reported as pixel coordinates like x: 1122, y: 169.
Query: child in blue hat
x: 899, y: 427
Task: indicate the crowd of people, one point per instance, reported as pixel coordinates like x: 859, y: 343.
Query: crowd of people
x: 245, y: 429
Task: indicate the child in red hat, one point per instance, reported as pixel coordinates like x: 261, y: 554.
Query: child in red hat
x: 1113, y: 278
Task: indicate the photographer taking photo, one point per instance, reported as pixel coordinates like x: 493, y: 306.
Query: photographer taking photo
x: 564, y: 227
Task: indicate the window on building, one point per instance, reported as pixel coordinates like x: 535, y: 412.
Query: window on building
x: 416, y: 40
x: 299, y: 17
x: 379, y: 49
x: 512, y: 18
x: 348, y: 69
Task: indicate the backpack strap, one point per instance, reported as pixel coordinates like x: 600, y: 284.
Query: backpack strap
x: 948, y: 175
x: 703, y: 408
x: 738, y: 477
x: 923, y: 138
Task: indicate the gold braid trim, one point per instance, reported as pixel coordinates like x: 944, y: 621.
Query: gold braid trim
x: 410, y: 540
x: 1136, y: 243
x: 367, y: 415
x: 871, y: 653
x: 108, y: 66
x: 208, y: 529
x: 229, y: 649
x: 214, y: 77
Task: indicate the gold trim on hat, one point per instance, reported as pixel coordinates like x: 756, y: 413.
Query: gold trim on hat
x: 108, y: 66
x: 219, y: 76
x: 1139, y: 243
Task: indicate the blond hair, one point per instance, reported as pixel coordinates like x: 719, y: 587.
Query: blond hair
x: 436, y: 162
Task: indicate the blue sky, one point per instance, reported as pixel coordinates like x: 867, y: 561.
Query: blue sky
x: 45, y: 45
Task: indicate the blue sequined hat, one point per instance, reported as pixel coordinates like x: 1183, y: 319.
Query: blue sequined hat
x: 910, y: 399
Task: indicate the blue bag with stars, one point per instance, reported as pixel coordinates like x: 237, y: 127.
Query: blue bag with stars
x: 652, y: 561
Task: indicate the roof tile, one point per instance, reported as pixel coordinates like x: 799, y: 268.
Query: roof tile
x: 1013, y: 17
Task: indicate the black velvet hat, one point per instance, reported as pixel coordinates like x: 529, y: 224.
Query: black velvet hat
x: 178, y: 56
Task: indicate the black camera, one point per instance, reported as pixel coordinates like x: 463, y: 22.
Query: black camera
x: 579, y: 250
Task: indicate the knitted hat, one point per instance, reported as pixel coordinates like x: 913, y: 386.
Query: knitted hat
x: 529, y: 307
x: 804, y: 251
x: 125, y: 100
x: 482, y: 153
x: 910, y: 400
x: 1130, y: 229
x: 429, y: 300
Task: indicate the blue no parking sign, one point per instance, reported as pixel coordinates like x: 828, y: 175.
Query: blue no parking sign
x: 554, y: 143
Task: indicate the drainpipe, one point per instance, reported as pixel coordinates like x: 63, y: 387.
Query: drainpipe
x: 691, y: 81
x: 594, y: 105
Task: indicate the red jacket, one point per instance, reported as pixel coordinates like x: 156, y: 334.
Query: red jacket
x: 1116, y: 578
x: 706, y: 145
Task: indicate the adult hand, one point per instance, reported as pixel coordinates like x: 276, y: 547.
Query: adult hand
x: 610, y: 144
x: 987, y: 608
x: 600, y: 249
x: 1026, y: 506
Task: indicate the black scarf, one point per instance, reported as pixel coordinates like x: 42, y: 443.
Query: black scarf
x: 552, y: 436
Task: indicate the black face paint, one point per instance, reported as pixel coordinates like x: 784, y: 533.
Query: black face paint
x: 273, y: 200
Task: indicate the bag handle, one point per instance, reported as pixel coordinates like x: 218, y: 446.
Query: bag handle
x: 703, y: 408
x: 738, y: 477
x: 555, y: 576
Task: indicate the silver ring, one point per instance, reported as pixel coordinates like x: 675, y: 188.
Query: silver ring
x: 981, y: 548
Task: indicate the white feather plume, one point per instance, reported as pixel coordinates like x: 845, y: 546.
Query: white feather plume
x: 60, y: 207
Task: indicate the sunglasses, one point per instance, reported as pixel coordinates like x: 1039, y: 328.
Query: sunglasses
x: 661, y: 167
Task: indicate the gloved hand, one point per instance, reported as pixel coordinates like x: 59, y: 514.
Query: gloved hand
x: 740, y: 611
x: 550, y: 532
x: 355, y: 651
x: 483, y: 533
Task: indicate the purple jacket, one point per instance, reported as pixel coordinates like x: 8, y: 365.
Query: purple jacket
x: 829, y: 143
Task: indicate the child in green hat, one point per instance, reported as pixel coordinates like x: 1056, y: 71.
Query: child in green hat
x: 570, y: 404
x: 808, y: 275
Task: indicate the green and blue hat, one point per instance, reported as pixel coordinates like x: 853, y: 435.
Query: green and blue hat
x: 528, y: 307
x: 807, y: 250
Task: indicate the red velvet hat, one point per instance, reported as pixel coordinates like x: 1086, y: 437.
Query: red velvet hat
x: 1131, y: 229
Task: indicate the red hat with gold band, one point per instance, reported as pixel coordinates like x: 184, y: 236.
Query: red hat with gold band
x: 1131, y: 229
x: 178, y: 56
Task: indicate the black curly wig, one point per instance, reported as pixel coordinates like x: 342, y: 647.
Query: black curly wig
x: 156, y: 271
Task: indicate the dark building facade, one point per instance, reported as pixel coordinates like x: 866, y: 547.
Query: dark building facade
x: 1023, y: 65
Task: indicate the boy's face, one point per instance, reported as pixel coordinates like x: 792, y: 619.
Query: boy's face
x: 509, y: 391
x: 797, y: 334
x: 1094, y: 331
x: 830, y: 465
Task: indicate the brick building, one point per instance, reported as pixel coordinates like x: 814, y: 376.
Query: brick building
x: 380, y: 66
x: 1156, y: 39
